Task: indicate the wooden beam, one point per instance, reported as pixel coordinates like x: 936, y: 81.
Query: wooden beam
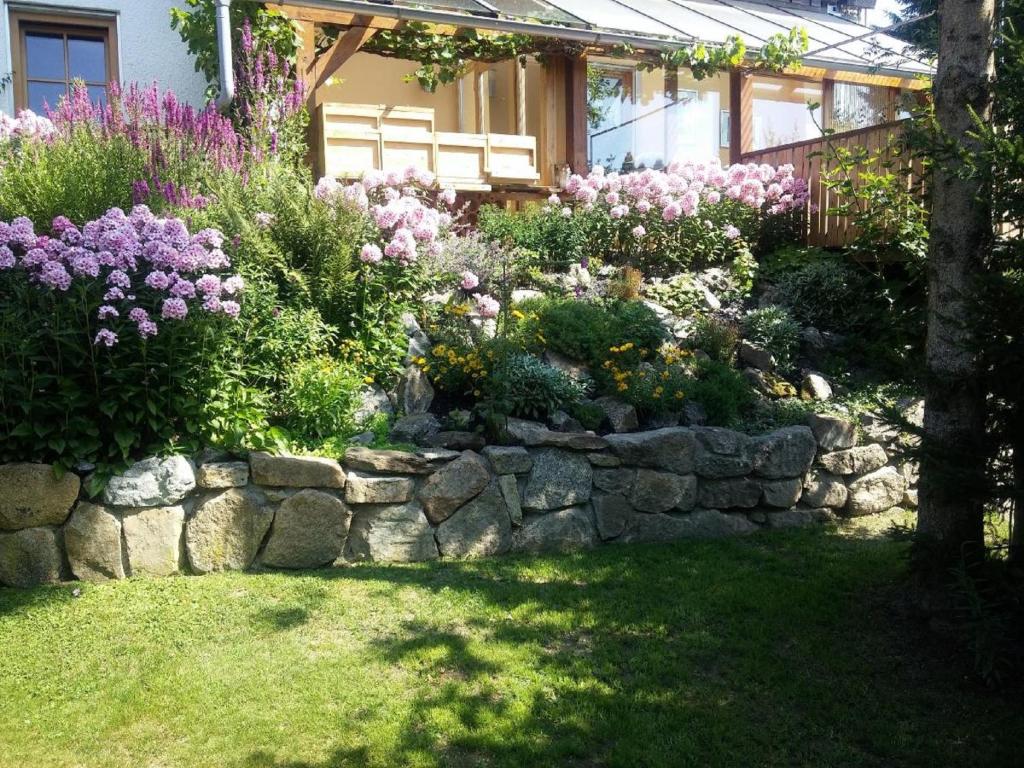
x: 576, y: 114
x: 741, y: 114
x: 828, y: 103
x: 347, y: 44
x: 520, y: 70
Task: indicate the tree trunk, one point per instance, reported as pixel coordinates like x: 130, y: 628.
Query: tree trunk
x: 951, y: 504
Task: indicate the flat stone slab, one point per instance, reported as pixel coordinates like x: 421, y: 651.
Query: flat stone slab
x: 535, y: 435
x: 855, y: 461
x: 226, y: 530
x: 731, y: 493
x: 508, y: 459
x: 363, y: 488
x: 398, y: 462
x: 671, y: 448
x: 222, y: 474
x: 309, y: 531
x: 296, y: 471
x: 31, y: 496
x: 152, y: 540
x: 702, y: 524
x: 396, y: 533
x: 152, y: 482
x: 92, y: 540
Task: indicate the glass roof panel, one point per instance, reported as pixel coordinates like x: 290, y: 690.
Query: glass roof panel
x: 466, y: 6
x: 534, y: 9
x: 615, y: 17
x: 690, y: 24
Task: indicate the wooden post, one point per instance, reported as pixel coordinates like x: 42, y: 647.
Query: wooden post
x: 520, y: 70
x: 305, y: 66
x: 828, y: 103
x: 741, y: 114
x: 576, y: 114
x: 480, y: 92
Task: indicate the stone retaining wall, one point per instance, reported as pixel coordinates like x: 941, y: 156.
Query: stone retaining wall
x: 554, y: 491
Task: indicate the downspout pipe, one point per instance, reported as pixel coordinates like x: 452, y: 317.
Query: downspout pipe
x: 227, y: 70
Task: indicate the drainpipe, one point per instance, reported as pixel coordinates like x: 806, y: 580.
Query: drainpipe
x: 227, y: 72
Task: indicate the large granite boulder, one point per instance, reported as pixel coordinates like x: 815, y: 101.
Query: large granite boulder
x: 453, y: 485
x: 152, y: 539
x: 875, y: 492
x: 152, y: 482
x: 673, y: 449
x: 558, y: 479
x: 832, y: 432
x: 480, y: 528
x: 790, y: 518
x: 391, y: 533
x: 822, y: 489
x: 309, y: 531
x: 782, y: 493
x: 222, y: 474
x: 612, y: 512
x: 702, y: 524
x: 92, y: 540
x: 729, y: 493
x: 786, y: 452
x: 656, y: 491
x: 815, y: 387
x: 226, y: 530
x: 855, y: 461
x: 29, y: 557
x: 372, y: 400
x: 508, y: 459
x: 562, y: 531
x: 415, y: 428
x: 31, y: 495
x: 296, y: 471
x: 361, y: 488
x: 615, y: 480
x: 722, y: 453
x: 399, y: 462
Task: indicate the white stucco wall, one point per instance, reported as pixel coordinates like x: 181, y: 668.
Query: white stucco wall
x: 148, y: 49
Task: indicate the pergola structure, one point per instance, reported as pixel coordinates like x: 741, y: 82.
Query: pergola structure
x: 546, y: 130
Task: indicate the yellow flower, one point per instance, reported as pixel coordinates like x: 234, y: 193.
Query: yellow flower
x: 623, y: 386
x: 679, y: 395
x: 368, y: 379
x: 518, y: 315
x: 476, y: 393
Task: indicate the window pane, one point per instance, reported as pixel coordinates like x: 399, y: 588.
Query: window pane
x: 858, y: 106
x: 87, y: 59
x: 44, y: 56
x: 98, y: 95
x: 41, y: 95
x: 609, y: 122
x: 781, y: 114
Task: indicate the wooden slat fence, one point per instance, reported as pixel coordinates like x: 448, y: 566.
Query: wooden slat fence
x: 809, y: 157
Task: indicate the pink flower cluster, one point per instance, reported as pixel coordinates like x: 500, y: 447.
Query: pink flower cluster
x: 681, y: 189
x: 28, y: 125
x: 136, y: 261
x: 407, y: 210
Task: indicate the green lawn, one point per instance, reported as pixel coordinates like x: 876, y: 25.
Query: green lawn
x: 781, y: 650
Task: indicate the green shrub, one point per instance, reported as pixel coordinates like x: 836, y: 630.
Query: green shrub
x: 80, y: 176
x: 721, y: 391
x: 775, y: 331
x: 717, y: 338
x: 824, y: 291
x: 524, y: 386
x: 558, y: 241
x: 678, y: 294
x: 319, y: 398
x: 586, y: 330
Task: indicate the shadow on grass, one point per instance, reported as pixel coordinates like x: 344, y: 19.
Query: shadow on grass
x: 763, y: 652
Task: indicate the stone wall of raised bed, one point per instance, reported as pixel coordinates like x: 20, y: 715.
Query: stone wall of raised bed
x: 554, y: 491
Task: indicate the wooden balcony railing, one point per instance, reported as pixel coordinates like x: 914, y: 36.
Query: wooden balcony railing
x: 356, y: 138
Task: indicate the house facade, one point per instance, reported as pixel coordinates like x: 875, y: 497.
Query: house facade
x: 512, y: 129
x: 46, y: 45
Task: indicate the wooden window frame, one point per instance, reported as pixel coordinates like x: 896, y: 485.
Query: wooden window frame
x: 24, y: 22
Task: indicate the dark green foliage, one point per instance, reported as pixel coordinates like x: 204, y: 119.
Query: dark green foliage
x: 718, y: 338
x: 822, y: 289
x: 522, y: 385
x: 775, y: 331
x: 558, y: 241
x: 722, y: 391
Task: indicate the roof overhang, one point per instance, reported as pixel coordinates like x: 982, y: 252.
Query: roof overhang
x: 843, y: 48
